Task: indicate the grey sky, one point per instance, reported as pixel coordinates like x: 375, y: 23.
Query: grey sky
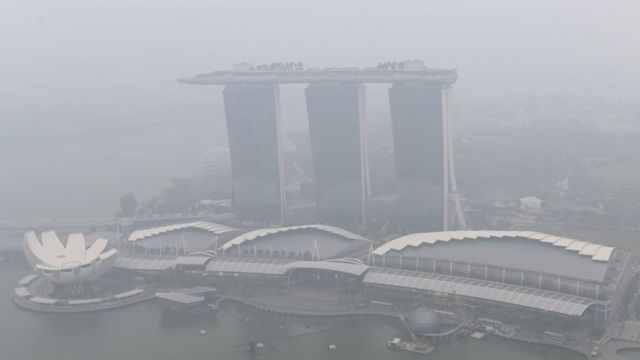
x: 82, y: 63
x: 120, y: 58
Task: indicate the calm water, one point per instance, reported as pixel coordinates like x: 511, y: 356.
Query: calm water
x: 138, y: 332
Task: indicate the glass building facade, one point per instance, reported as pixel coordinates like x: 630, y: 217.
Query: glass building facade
x: 418, y: 122
x: 252, y: 115
x: 335, y: 112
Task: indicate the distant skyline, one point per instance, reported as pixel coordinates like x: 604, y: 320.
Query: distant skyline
x: 117, y: 60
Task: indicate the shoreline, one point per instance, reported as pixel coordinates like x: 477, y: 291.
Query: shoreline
x: 149, y: 295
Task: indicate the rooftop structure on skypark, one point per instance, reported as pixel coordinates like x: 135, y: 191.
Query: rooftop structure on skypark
x: 70, y: 263
x: 391, y: 72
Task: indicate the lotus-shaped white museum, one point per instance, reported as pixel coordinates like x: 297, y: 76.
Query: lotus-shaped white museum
x: 67, y: 264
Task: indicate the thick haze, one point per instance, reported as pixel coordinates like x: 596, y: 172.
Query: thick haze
x: 99, y: 59
x: 86, y: 63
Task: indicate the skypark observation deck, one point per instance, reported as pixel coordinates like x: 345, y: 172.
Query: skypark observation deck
x: 328, y: 75
x: 419, y: 100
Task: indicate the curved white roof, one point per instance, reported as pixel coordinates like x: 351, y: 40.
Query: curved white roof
x: 213, y: 228
x: 256, y: 234
x: 595, y: 251
x: 70, y: 263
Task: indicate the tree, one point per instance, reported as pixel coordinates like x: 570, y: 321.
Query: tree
x: 128, y: 205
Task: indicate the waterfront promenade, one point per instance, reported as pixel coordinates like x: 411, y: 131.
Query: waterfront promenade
x: 281, y: 309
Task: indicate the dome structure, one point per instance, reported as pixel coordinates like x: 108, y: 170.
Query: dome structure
x: 216, y: 162
x: 69, y: 263
x: 424, y: 321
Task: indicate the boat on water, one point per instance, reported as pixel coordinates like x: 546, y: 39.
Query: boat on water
x: 255, y: 348
x: 419, y: 348
x: 188, y: 313
x: 195, y: 310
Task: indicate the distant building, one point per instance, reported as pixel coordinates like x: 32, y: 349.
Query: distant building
x: 214, y: 176
x: 531, y: 204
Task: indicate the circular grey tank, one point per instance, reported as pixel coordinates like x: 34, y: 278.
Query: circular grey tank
x: 424, y: 321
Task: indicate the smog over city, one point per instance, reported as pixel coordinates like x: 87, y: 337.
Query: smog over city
x: 319, y: 179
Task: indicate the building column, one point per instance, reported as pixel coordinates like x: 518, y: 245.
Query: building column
x: 252, y: 113
x: 338, y: 147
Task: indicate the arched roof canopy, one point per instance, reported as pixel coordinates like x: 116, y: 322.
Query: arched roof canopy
x: 519, y: 250
x: 213, y: 228
x: 320, y: 241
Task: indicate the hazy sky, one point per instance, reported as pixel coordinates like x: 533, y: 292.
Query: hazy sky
x: 69, y: 63
x: 69, y: 59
